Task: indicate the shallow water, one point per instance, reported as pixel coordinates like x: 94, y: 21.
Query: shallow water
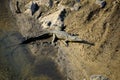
x: 19, y: 58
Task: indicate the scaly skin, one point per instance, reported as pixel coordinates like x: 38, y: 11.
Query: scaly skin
x: 62, y: 35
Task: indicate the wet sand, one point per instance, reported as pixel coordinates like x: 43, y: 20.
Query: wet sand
x: 18, y: 59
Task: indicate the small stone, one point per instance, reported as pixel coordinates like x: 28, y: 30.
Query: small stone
x: 77, y: 7
x: 56, y: 2
x: 101, y: 3
x: 98, y: 77
x: 48, y: 3
x: 116, y: 1
x: 34, y: 7
x: 54, y: 20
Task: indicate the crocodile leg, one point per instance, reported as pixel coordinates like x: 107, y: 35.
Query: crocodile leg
x: 65, y: 42
x: 54, y: 36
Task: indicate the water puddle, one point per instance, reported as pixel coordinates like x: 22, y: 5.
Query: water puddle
x: 23, y: 65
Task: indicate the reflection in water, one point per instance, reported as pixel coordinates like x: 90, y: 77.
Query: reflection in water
x: 42, y: 69
x: 49, y: 69
x: 16, y: 63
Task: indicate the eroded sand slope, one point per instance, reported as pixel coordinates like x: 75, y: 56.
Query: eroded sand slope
x: 99, y: 26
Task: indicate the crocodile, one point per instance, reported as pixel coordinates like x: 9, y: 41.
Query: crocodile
x: 62, y: 35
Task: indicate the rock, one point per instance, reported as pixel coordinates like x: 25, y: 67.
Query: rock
x: 34, y: 7
x: 76, y: 7
x: 47, y: 3
x: 61, y: 7
x: 101, y: 3
x: 36, y: 15
x: 54, y: 20
x: 98, y: 77
x: 28, y: 5
x: 116, y: 1
x: 31, y: 8
x: 56, y: 2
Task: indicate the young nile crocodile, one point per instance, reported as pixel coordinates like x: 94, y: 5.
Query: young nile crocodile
x: 62, y: 35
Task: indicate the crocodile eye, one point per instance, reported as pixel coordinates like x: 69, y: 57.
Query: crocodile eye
x: 74, y: 37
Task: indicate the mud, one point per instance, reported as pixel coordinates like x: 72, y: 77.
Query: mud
x: 17, y: 61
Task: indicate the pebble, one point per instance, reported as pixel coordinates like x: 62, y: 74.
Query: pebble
x: 101, y: 3
x: 98, y: 77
